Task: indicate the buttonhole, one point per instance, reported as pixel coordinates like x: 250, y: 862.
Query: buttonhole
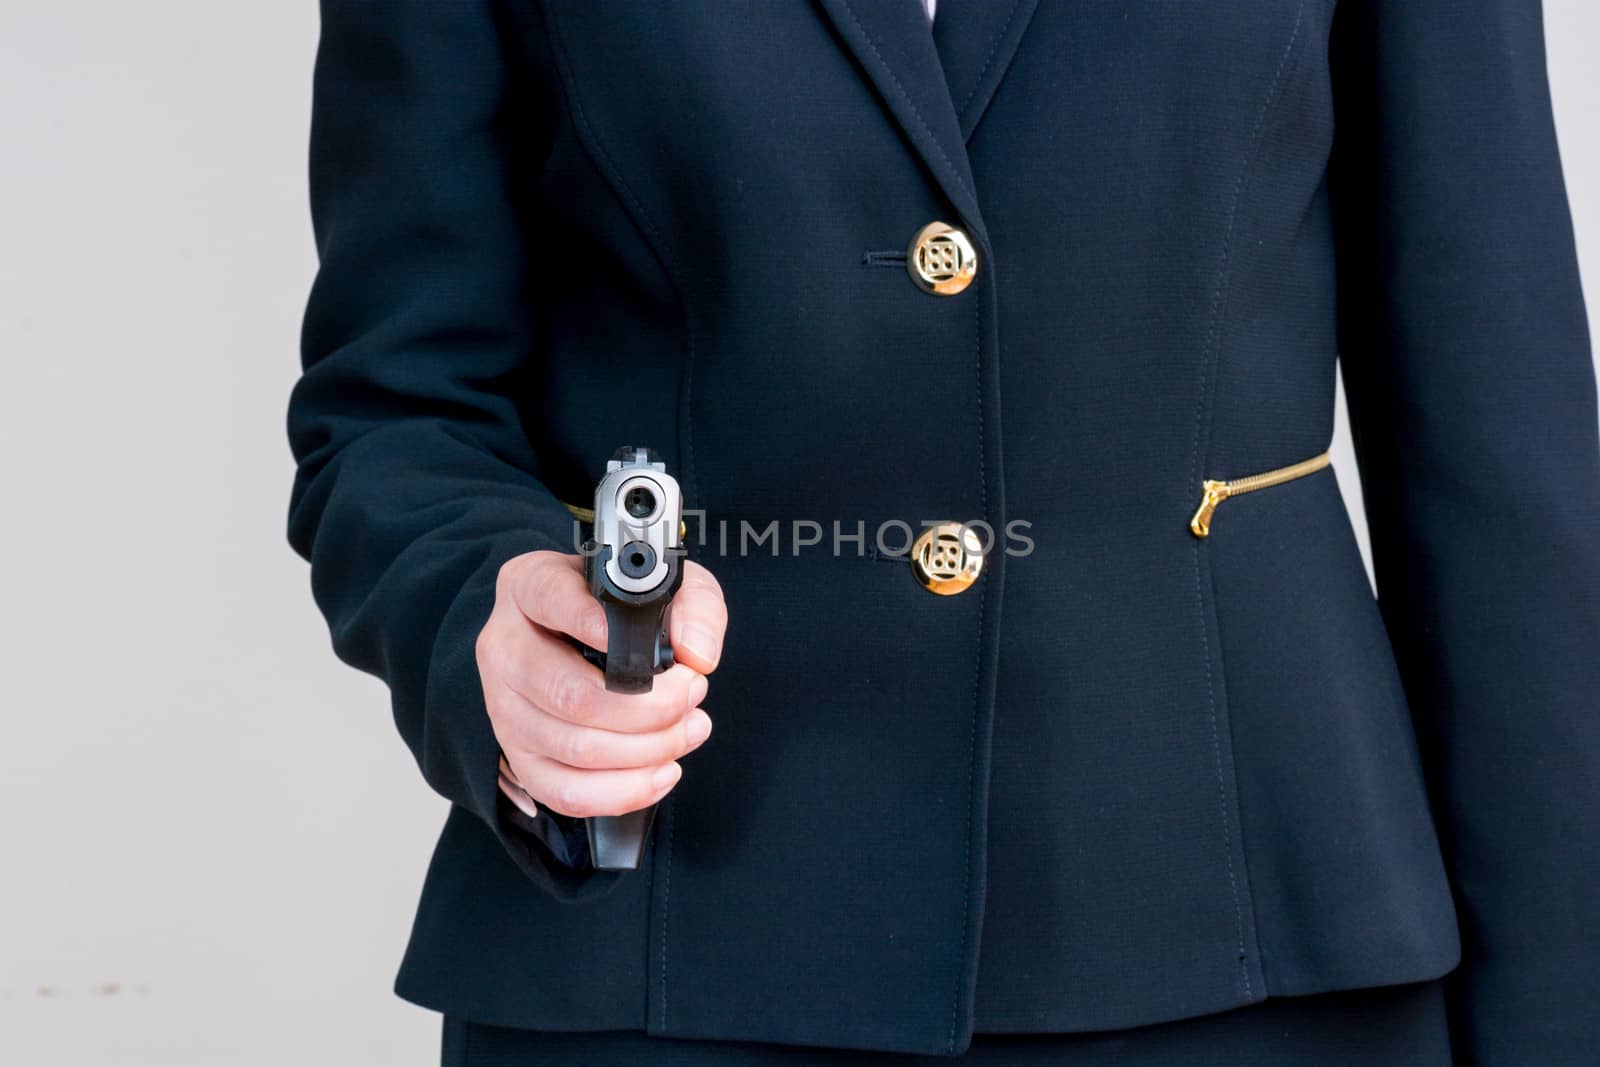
x: 877, y: 555
x: 887, y: 258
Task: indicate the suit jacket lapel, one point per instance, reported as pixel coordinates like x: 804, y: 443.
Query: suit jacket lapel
x: 976, y: 40
x: 894, y: 49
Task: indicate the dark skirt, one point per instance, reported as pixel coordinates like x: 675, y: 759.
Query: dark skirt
x: 1370, y: 1027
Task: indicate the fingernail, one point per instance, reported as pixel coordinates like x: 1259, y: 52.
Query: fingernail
x: 699, y: 726
x: 701, y: 643
x: 667, y: 775
x: 697, y: 690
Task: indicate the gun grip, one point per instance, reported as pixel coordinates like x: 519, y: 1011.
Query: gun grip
x: 637, y: 648
x: 616, y: 842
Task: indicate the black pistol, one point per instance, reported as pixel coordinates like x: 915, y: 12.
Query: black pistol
x: 634, y: 563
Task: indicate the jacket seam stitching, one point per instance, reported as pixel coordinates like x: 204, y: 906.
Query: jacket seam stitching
x: 977, y: 701
x: 589, y: 140
x: 944, y: 157
x: 1209, y: 356
x: 989, y: 60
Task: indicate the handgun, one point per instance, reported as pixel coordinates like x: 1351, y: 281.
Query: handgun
x: 634, y: 563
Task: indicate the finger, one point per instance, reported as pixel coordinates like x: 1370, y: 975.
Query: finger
x: 578, y: 695
x: 698, y: 620
x: 550, y: 591
x: 515, y: 793
x: 554, y: 678
x: 585, y: 794
x: 589, y: 748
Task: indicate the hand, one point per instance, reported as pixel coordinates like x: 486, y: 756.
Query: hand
x: 571, y: 745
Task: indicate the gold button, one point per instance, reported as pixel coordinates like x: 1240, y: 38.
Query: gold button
x: 941, y: 259
x: 947, y: 558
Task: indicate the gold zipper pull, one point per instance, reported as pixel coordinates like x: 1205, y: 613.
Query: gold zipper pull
x: 1216, y: 490
x: 1215, y: 493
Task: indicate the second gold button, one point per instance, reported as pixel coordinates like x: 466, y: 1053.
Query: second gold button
x: 947, y: 558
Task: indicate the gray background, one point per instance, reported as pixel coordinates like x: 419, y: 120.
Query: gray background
x: 211, y: 836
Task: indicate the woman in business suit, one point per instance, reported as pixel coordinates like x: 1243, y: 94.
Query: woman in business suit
x: 1157, y: 779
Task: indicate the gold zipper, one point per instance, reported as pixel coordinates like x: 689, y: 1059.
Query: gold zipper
x: 1216, y: 491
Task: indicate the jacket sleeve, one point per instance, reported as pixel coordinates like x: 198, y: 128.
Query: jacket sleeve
x: 416, y: 479
x: 1471, y: 388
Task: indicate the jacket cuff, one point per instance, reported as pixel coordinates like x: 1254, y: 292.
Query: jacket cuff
x: 564, y: 837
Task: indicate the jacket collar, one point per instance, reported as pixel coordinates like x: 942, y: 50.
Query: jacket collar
x: 937, y: 99
x: 976, y: 40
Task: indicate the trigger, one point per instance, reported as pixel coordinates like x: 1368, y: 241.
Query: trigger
x: 664, y: 655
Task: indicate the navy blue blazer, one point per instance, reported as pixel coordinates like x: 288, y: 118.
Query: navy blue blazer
x: 1132, y: 775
